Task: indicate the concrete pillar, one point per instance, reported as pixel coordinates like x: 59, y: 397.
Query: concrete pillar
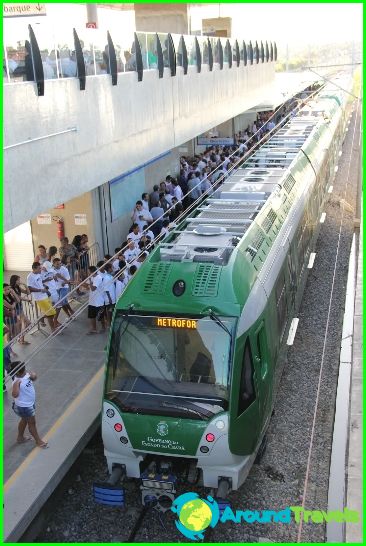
x: 171, y: 18
x: 92, y: 14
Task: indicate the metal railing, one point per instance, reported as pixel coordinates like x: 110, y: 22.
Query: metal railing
x: 86, y: 53
x: 26, y: 317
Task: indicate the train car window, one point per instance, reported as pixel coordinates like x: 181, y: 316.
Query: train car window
x: 247, y: 391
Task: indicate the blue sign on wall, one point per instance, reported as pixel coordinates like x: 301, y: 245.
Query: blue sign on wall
x: 124, y: 188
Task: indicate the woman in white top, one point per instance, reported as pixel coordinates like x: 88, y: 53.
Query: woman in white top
x: 24, y: 403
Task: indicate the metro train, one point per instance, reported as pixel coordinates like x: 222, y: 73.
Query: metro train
x: 198, y: 336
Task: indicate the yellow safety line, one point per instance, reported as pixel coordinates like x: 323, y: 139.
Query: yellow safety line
x: 53, y: 429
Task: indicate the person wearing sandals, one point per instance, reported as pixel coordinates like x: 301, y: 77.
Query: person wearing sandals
x: 21, y: 291
x: 24, y: 403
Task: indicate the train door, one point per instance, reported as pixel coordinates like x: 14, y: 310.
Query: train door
x: 264, y: 373
x: 245, y: 412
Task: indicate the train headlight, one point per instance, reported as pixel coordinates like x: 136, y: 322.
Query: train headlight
x: 204, y: 449
x: 210, y: 437
x: 220, y: 424
x: 123, y: 439
x: 118, y: 427
x: 179, y: 287
x: 110, y: 412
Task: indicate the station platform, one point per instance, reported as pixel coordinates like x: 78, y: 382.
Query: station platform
x: 68, y: 399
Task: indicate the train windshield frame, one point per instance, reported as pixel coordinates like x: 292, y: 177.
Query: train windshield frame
x: 170, y: 366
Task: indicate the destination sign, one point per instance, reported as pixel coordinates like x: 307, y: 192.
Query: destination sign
x: 168, y: 322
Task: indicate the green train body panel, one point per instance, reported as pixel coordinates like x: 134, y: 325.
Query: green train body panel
x: 165, y: 434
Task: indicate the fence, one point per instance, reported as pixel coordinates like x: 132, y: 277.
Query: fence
x: 27, y: 313
x: 95, y: 52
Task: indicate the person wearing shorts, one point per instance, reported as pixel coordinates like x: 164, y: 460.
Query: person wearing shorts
x: 24, y: 403
x: 40, y: 294
x: 49, y: 282
x: 62, y: 277
x: 96, y: 299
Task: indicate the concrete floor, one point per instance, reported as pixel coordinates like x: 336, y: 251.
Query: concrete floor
x: 68, y: 399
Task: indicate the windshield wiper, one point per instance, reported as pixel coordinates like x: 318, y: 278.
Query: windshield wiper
x: 218, y: 321
x: 123, y: 406
x: 185, y: 408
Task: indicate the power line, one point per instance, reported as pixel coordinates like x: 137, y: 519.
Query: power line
x: 330, y: 65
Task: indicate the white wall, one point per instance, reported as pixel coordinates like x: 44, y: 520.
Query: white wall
x: 118, y: 128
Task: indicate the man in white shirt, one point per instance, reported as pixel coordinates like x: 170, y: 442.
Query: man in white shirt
x: 164, y: 230
x: 140, y: 260
x: 243, y: 147
x: 135, y: 234
x: 145, y: 199
x: 62, y: 279
x: 109, y: 292
x: 148, y: 232
x: 177, y: 191
x: 96, y: 299
x: 140, y: 216
x: 48, y: 279
x: 40, y: 294
x: 120, y: 284
x: 206, y: 186
x: 194, y: 187
x: 217, y: 174
x: 201, y: 165
x: 119, y: 256
x: 131, y: 252
x: 168, y: 197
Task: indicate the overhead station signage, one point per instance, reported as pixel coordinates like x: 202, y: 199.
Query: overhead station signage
x: 23, y: 10
x: 215, y: 141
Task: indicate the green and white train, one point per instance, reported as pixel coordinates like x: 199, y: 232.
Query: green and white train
x: 198, y: 335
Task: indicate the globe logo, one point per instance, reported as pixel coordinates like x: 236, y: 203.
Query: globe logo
x: 162, y: 428
x: 195, y: 515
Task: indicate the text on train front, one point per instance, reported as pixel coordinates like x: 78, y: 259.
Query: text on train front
x: 170, y: 365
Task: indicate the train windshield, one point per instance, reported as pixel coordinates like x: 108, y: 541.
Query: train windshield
x: 170, y: 365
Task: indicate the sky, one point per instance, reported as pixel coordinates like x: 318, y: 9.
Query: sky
x: 296, y: 23
x: 285, y: 23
